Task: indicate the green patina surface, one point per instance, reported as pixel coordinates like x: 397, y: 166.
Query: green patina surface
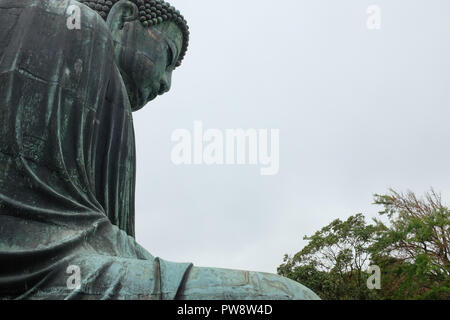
x: 67, y: 157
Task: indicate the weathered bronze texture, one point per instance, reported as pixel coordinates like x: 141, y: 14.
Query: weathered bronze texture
x: 67, y: 155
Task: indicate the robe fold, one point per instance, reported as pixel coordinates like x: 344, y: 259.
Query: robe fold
x: 67, y: 163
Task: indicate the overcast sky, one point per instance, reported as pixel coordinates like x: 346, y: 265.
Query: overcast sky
x: 358, y: 110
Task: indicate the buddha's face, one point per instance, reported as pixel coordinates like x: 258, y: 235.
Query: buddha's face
x: 146, y: 58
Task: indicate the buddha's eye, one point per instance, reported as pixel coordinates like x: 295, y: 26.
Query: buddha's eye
x: 170, y: 56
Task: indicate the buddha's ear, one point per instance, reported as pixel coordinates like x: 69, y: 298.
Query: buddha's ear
x: 122, y: 12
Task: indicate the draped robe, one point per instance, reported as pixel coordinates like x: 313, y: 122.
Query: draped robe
x: 67, y: 163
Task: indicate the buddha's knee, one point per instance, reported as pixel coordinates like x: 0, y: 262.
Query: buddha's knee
x: 224, y: 284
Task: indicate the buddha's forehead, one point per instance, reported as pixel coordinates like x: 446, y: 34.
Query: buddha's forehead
x: 168, y: 30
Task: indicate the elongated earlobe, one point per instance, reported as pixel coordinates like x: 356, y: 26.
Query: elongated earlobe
x: 122, y: 12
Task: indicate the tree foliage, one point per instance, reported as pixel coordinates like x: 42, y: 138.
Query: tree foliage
x: 411, y: 248
x: 414, y: 245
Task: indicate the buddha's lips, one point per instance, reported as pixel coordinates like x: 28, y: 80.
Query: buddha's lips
x: 152, y: 96
x: 143, y: 98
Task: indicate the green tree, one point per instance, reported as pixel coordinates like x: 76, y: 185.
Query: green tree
x: 334, y: 261
x: 413, y: 245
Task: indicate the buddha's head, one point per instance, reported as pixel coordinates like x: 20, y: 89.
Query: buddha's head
x: 150, y: 40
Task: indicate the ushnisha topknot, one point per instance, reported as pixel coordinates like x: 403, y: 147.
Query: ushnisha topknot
x: 151, y: 13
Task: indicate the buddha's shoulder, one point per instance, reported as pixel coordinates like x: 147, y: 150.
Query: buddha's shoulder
x: 64, y: 12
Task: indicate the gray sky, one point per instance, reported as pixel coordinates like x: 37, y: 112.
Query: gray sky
x: 358, y: 110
